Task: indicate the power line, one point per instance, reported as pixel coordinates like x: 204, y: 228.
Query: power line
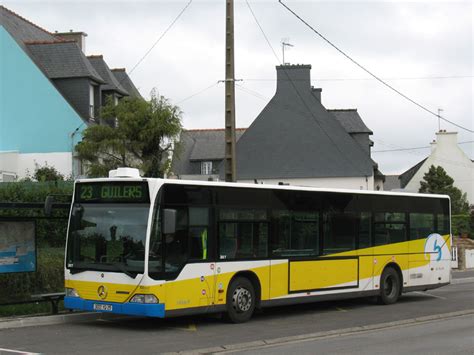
x: 415, y: 148
x: 367, y: 79
x: 160, y: 38
x: 197, y: 93
x: 372, y: 74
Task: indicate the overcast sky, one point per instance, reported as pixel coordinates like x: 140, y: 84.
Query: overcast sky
x: 411, y: 44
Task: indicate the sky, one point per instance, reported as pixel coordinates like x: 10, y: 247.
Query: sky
x: 424, y: 49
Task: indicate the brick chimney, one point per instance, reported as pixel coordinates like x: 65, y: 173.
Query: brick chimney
x: 79, y: 37
x: 290, y: 77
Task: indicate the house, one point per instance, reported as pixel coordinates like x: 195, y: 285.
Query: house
x: 445, y: 152
x: 49, y: 92
x: 201, y: 153
x: 294, y: 140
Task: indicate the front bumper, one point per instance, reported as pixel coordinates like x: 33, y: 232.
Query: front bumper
x: 134, y: 309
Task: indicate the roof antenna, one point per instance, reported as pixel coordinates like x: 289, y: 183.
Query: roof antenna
x: 439, y: 118
x: 285, y: 42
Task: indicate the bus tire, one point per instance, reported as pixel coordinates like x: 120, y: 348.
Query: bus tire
x: 241, y: 300
x: 390, y: 286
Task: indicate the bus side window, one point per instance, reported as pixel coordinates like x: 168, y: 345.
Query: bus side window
x: 421, y: 225
x: 295, y: 233
x: 365, y: 226
x: 198, y: 233
x: 339, y: 232
x: 443, y: 224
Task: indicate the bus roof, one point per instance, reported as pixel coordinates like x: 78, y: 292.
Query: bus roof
x: 264, y: 186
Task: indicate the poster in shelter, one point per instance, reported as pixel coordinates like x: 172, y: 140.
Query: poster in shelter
x: 17, y: 246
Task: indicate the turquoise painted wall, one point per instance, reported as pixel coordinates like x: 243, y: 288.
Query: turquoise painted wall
x: 34, y: 117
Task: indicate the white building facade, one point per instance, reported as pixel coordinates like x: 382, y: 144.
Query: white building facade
x: 446, y: 153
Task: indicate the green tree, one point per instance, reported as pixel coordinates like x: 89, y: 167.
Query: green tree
x: 46, y: 173
x: 437, y: 181
x: 137, y: 133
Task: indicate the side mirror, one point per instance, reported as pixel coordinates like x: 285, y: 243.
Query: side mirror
x: 169, y: 221
x: 48, y: 205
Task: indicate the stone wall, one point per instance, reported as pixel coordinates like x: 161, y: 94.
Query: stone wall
x: 462, y: 244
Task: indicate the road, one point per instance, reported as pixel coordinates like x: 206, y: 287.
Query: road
x: 447, y: 336
x: 145, y: 336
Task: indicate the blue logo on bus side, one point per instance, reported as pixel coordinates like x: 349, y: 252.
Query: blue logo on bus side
x: 434, y: 246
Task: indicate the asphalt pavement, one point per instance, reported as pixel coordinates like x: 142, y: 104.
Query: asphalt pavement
x: 446, y: 336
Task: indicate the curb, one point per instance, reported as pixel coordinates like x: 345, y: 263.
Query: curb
x: 463, y: 280
x: 11, y: 323
x: 266, y: 343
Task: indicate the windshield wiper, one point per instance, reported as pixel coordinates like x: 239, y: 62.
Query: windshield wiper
x: 75, y: 270
x: 122, y: 268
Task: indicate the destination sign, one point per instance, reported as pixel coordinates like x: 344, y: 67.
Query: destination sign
x: 107, y: 192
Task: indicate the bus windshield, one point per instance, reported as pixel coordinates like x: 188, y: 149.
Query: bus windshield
x: 108, y: 237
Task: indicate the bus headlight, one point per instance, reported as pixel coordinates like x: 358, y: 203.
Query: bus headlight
x: 144, y: 299
x: 71, y: 292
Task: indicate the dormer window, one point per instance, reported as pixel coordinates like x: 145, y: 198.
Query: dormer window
x: 206, y: 167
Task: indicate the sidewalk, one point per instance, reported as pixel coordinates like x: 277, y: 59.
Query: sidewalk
x: 461, y: 274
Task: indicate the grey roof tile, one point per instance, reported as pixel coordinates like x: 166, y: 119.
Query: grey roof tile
x: 108, y: 77
x: 350, y: 120
x: 127, y: 83
x: 23, y: 30
x: 407, y: 175
x: 200, y: 145
x: 296, y: 137
x: 62, y: 60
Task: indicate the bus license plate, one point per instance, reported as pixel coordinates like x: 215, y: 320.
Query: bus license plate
x: 102, y: 307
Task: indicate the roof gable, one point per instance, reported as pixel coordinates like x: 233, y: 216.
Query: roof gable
x: 296, y: 137
x: 407, y: 175
x: 105, y: 73
x: 23, y: 30
x: 127, y: 83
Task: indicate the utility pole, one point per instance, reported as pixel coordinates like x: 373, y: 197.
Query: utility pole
x: 229, y: 160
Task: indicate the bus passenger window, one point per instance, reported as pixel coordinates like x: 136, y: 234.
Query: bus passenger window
x: 443, y: 224
x: 421, y: 225
x: 365, y: 223
x: 386, y: 233
x: 296, y: 233
x: 198, y: 233
x: 339, y: 232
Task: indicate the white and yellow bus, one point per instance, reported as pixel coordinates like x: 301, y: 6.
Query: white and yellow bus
x: 161, y: 248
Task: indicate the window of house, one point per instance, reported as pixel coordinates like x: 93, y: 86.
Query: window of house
x: 206, y: 168
x: 91, y: 102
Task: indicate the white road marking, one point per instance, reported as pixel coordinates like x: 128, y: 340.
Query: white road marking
x: 431, y: 295
x: 7, y: 351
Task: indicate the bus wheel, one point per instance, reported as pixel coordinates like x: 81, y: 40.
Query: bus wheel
x: 240, y: 300
x: 390, y: 286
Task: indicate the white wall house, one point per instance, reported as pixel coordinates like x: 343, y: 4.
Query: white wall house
x: 446, y: 153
